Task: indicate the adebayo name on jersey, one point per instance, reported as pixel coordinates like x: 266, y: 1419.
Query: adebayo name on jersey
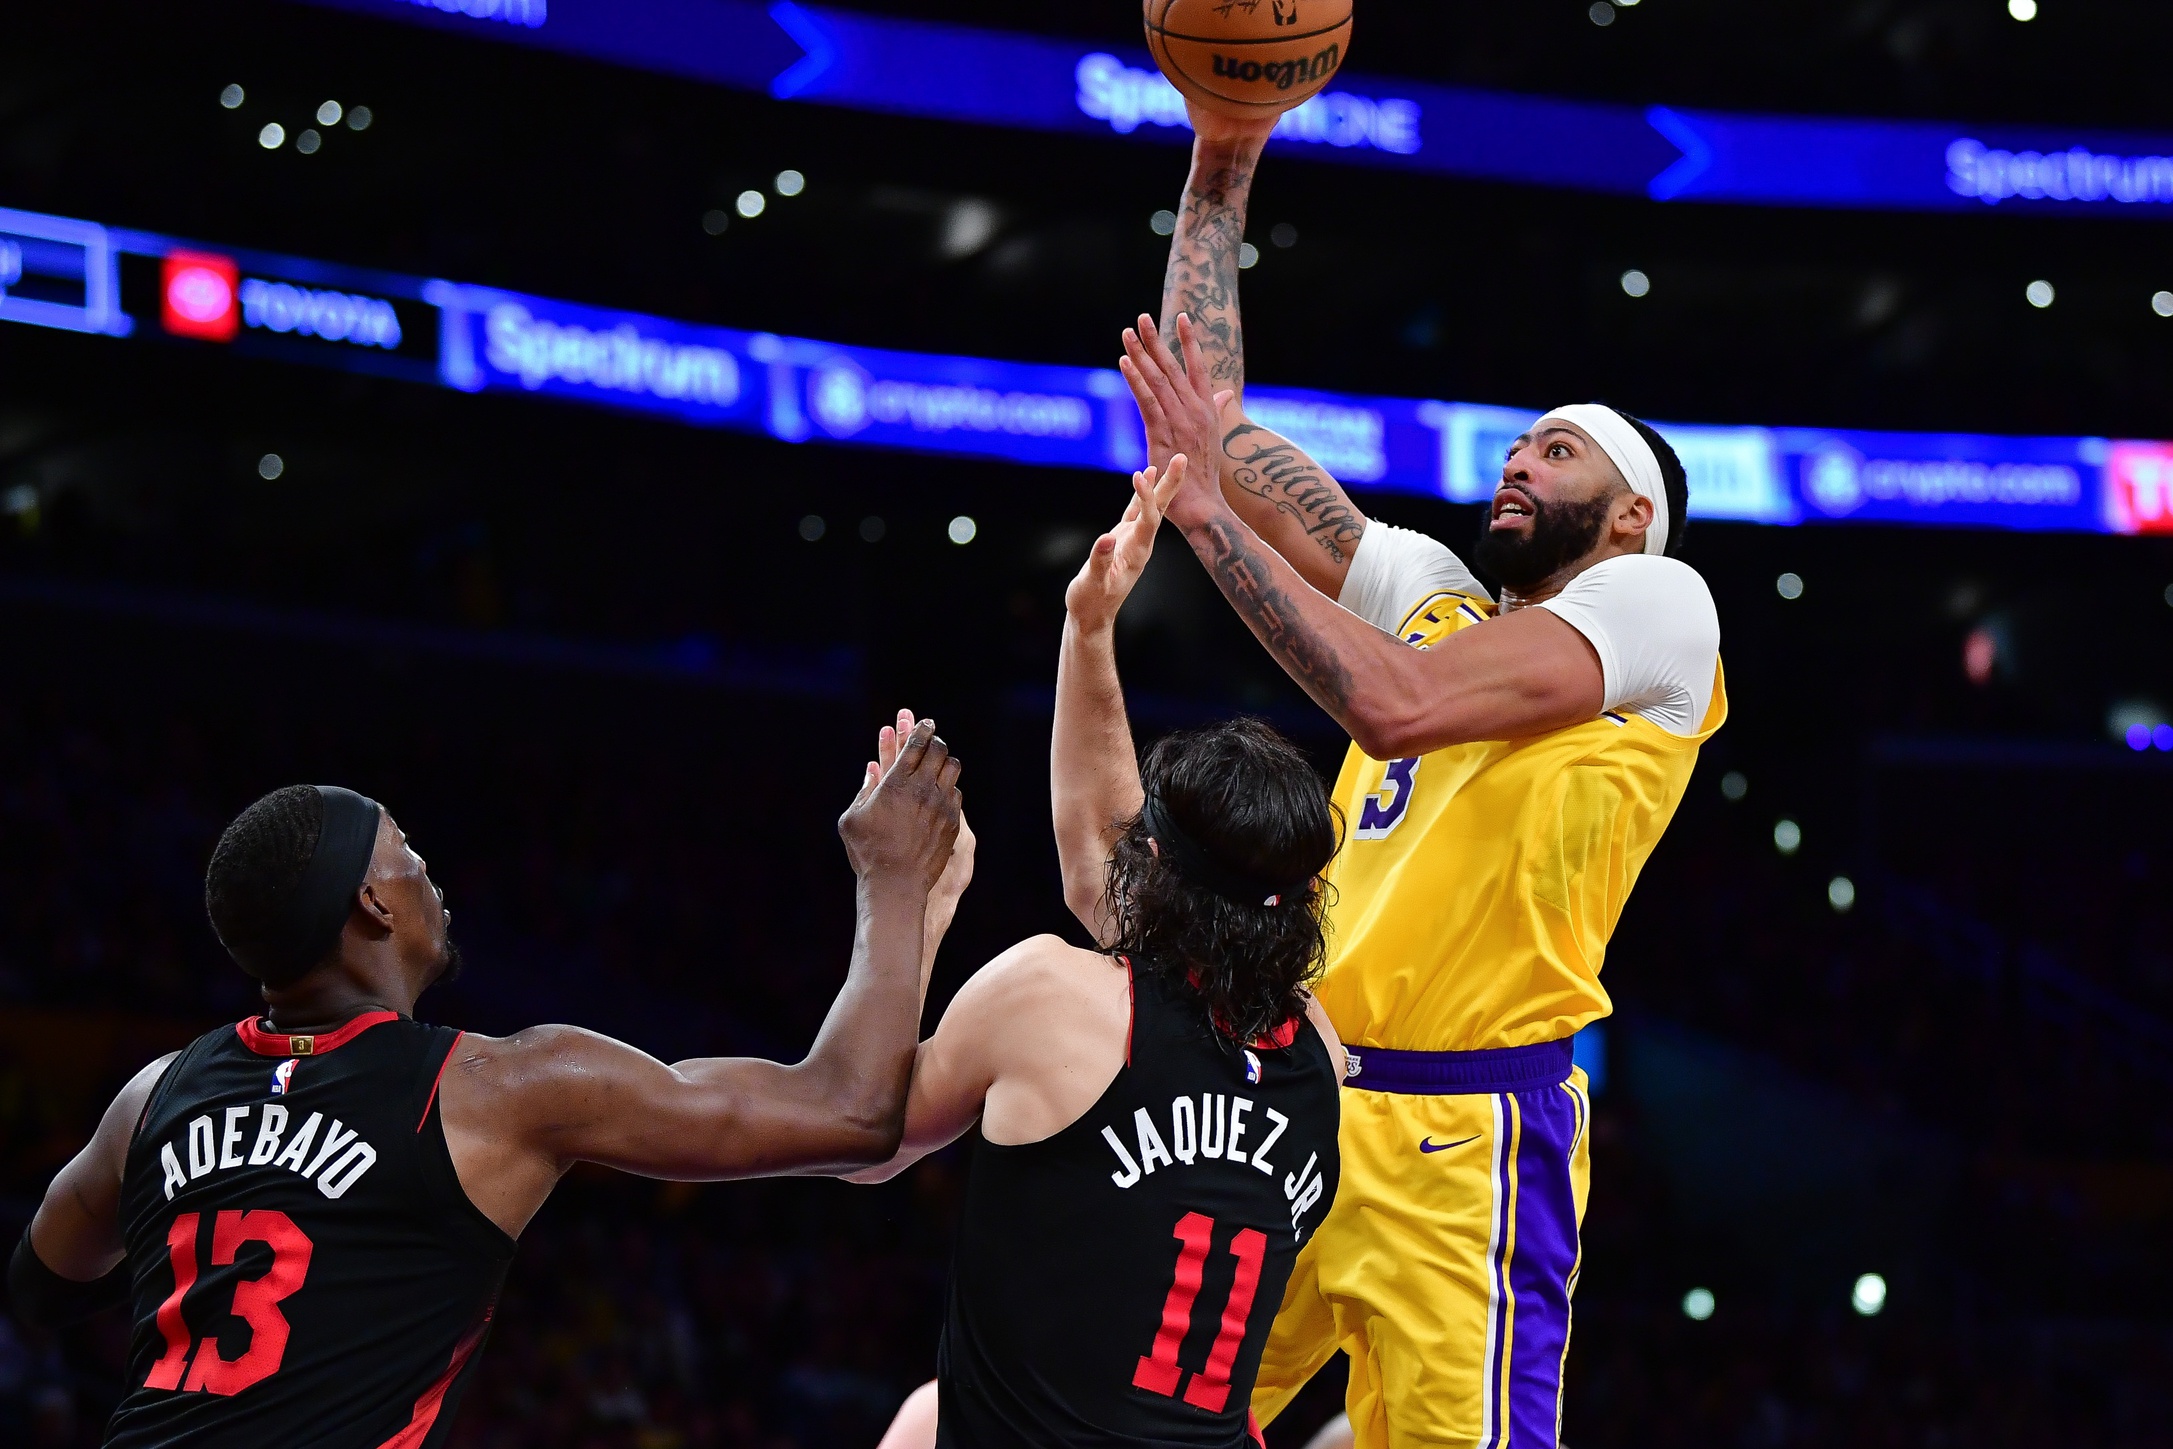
x: 334, y: 1164
x: 1214, y: 1131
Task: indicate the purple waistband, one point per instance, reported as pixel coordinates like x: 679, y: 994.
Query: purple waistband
x: 1481, y: 1073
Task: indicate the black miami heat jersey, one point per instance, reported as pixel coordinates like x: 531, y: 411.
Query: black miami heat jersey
x: 307, y: 1268
x: 1114, y: 1284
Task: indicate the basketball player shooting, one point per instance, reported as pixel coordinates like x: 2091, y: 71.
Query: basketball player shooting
x: 1157, y: 1115
x: 310, y: 1213
x: 1513, y: 764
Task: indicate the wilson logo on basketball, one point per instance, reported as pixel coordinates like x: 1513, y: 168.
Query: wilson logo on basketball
x: 1282, y: 74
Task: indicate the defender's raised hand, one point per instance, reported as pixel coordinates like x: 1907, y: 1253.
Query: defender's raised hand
x: 958, y: 872
x: 903, y: 825
x: 1119, y: 556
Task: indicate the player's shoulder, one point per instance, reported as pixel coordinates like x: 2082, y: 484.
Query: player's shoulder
x: 1647, y: 570
x: 531, y: 1058
x: 1040, y: 971
x: 126, y: 1112
x: 1647, y: 582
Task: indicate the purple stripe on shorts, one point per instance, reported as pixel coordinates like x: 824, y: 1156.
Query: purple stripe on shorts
x: 1539, y: 1274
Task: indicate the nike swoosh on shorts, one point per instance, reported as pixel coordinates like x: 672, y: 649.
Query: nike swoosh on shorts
x: 1427, y: 1144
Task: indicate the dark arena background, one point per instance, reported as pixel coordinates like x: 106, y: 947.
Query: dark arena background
x: 1880, y: 1153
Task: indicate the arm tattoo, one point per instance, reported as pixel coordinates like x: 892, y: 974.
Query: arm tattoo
x: 1244, y: 576
x: 1272, y: 469
x: 1202, y: 275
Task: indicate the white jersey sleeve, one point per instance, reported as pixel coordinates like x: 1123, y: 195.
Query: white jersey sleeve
x: 1394, y: 570
x: 1652, y: 622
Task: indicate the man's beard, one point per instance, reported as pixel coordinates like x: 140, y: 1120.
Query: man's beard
x: 1559, y: 533
x: 450, y: 966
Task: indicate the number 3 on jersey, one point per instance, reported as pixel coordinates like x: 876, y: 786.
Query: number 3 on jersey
x: 1159, y: 1372
x: 1385, y: 808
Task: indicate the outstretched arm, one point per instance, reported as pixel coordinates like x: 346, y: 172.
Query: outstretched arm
x: 1521, y: 674
x: 1093, y: 773
x: 987, y: 1031
x: 1288, y: 498
x: 519, y: 1111
x: 75, y: 1235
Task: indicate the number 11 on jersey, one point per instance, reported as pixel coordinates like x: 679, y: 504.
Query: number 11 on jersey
x: 1159, y: 1372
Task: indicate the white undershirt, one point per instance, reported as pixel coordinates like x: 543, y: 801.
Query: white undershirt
x: 1649, y: 618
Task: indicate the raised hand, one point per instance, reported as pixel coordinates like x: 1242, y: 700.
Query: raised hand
x: 951, y: 886
x: 905, y: 820
x: 1119, y: 556
x: 1182, y: 409
x: 958, y: 871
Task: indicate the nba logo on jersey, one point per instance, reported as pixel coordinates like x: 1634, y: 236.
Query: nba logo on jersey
x: 1252, y: 1068
x: 283, y: 1076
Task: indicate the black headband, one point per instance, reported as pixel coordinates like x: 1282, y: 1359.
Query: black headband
x: 312, y: 917
x: 1203, y: 870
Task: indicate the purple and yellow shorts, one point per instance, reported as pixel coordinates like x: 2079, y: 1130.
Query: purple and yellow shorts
x: 1446, y: 1264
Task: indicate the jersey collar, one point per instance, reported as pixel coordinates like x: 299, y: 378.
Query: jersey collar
x: 306, y: 1044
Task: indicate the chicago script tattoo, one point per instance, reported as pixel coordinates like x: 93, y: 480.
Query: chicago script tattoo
x: 1270, y: 468
x: 1247, y: 581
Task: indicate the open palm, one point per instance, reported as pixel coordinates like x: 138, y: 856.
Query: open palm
x: 1119, y: 556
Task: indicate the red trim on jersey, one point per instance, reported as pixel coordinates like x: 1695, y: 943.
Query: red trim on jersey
x: 1274, y: 1039
x: 1252, y: 1430
x: 282, y: 1044
x: 1131, y: 1007
x: 439, y: 1078
x: 433, y: 1398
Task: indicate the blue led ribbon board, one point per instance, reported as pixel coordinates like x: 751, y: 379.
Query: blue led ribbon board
x: 57, y: 272
x: 79, y: 276
x: 948, y: 72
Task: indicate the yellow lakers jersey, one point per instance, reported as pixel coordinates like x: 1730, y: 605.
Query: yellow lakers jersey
x: 1478, y: 885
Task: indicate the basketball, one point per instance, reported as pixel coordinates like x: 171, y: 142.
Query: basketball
x: 1246, y: 58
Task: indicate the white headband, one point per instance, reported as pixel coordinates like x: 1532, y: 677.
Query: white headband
x: 1630, y: 452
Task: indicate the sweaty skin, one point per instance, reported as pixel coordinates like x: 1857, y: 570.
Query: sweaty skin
x: 520, y: 1110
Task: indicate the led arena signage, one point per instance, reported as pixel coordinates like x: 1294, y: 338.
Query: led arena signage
x: 839, y: 57
x: 196, y: 295
x: 63, y: 273
x: 284, y: 308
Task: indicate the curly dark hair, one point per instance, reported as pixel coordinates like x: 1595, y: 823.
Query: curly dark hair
x: 255, y: 868
x: 1252, y: 801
